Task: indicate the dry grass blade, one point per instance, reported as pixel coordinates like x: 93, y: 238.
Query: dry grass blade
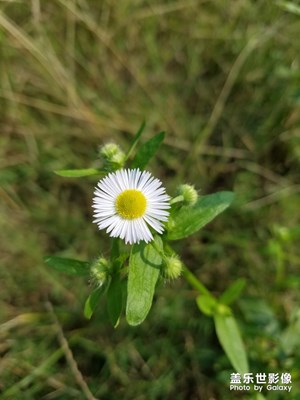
x: 64, y: 111
x: 21, y: 319
x: 69, y: 356
x: 49, y: 61
x: 234, y: 72
x: 272, y: 198
x: 105, y: 39
x: 35, y: 373
x: 28, y: 44
x: 161, y: 9
x: 264, y: 172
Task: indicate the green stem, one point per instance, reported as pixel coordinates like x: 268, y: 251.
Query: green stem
x: 158, y: 250
x: 194, y: 281
x: 114, y: 255
x: 115, y: 252
x: 177, y: 199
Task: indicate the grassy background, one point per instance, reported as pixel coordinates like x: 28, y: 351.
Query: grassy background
x: 222, y: 79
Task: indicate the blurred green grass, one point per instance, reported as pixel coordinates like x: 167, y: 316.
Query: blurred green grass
x: 222, y: 79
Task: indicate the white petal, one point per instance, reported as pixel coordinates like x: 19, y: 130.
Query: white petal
x: 107, y: 222
x: 104, y: 213
x: 128, y: 234
x: 115, y: 223
x: 117, y: 229
x: 159, y: 218
x: 145, y: 233
x: 156, y: 225
x: 124, y: 229
x: 143, y: 180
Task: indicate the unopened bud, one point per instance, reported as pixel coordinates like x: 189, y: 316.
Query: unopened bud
x: 172, y: 267
x: 113, y: 156
x: 100, y: 271
x: 223, y: 310
x: 189, y: 194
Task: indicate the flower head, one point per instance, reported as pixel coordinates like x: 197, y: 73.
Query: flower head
x: 172, y: 267
x: 127, y: 202
x: 100, y: 271
x: 189, y: 193
x: 113, y: 157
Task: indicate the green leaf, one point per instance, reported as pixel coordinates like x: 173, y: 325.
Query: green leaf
x: 233, y: 292
x: 230, y: 338
x: 189, y: 219
x: 136, y: 139
x: 147, y: 151
x: 78, y: 173
x: 207, y: 304
x: 68, y: 265
x: 93, y: 300
x: 114, y: 300
x: 144, y: 270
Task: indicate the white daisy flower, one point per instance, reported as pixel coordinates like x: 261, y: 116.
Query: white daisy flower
x: 127, y: 201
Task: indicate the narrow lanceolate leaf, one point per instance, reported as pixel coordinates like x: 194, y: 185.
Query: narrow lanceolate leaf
x: 114, y: 300
x: 136, y: 139
x: 78, y: 173
x: 147, y: 151
x: 93, y: 300
x: 68, y: 265
x: 144, y: 270
x: 233, y: 292
x: 230, y: 338
x: 189, y: 220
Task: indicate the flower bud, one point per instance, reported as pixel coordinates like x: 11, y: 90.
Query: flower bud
x: 172, y: 267
x: 100, y: 271
x: 189, y: 194
x: 113, y: 156
x: 223, y: 310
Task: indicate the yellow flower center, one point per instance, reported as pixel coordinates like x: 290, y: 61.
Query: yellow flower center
x: 131, y: 204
